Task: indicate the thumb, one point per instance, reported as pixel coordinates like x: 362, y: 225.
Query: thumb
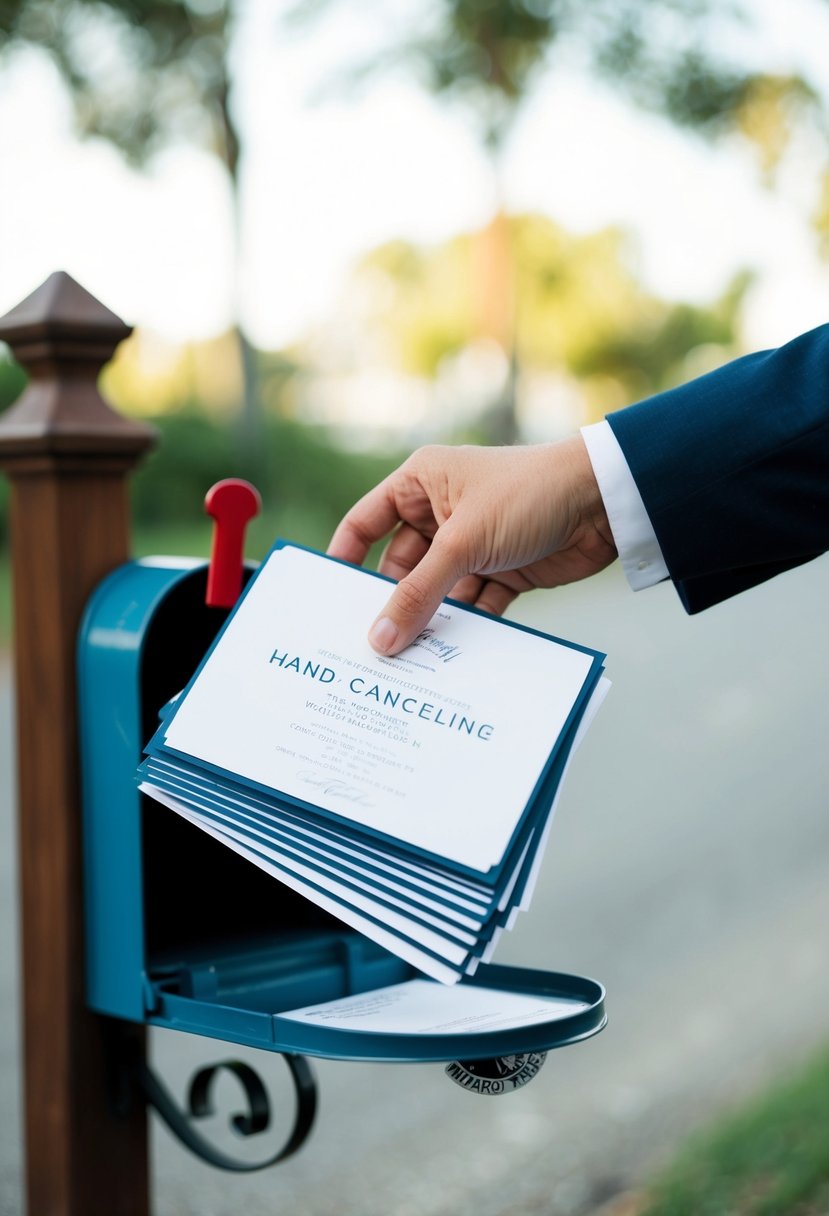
x: 417, y: 597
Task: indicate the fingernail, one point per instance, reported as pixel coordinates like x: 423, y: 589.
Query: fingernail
x: 383, y: 634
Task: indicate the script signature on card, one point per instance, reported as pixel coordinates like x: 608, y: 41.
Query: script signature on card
x: 428, y: 639
x: 335, y: 788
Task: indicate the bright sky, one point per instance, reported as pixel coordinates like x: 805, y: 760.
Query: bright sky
x: 325, y: 182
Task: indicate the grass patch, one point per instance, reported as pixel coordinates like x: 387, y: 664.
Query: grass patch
x: 769, y: 1159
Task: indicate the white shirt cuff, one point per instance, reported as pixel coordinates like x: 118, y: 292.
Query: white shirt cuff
x: 636, y: 542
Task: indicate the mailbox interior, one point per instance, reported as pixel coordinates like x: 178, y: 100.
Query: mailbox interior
x: 201, y: 901
x: 181, y: 931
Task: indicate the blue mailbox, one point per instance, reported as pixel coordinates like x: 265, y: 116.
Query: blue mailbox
x: 183, y: 933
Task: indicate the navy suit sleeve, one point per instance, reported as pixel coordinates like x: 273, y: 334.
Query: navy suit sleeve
x: 733, y: 469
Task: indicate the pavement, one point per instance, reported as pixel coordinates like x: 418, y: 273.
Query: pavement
x: 688, y: 870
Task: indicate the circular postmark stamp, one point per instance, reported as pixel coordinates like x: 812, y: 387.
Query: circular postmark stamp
x: 502, y: 1075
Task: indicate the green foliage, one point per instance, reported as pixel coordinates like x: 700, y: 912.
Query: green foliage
x: 307, y: 483
x: 425, y: 302
x: 12, y: 381
x: 649, y: 357
x: 579, y: 307
x: 770, y: 1159
x: 12, y: 378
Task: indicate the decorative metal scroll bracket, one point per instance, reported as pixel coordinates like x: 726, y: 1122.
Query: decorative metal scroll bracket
x: 135, y: 1074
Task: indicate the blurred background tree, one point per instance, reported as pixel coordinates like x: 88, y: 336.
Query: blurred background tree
x: 143, y: 74
x: 585, y: 310
x: 665, y: 56
x: 587, y: 325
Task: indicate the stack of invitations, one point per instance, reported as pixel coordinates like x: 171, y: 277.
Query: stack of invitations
x: 412, y: 796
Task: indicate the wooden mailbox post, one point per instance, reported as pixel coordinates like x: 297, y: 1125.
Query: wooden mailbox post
x: 67, y: 455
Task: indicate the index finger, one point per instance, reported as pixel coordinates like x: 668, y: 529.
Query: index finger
x: 369, y: 520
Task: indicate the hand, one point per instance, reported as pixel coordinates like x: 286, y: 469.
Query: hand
x: 481, y: 525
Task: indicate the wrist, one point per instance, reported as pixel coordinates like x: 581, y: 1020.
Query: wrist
x: 588, y: 507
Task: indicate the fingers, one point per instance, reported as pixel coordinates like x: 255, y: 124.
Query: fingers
x: 495, y: 598
x: 467, y: 589
x: 490, y: 595
x: 417, y: 596
x: 408, y: 495
x: 369, y: 520
x: 406, y: 548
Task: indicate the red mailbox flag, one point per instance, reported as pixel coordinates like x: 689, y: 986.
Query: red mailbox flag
x: 231, y: 503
